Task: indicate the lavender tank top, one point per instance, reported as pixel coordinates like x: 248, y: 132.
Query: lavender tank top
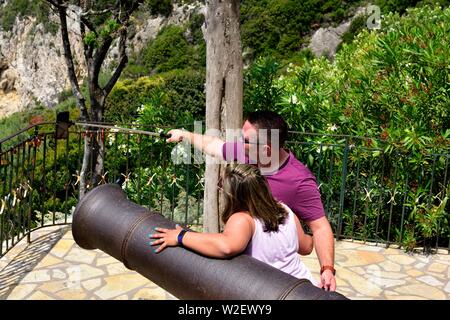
x: 279, y: 249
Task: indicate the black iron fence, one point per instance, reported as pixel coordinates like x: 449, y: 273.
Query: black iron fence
x: 368, y: 194
x: 376, y: 195
x: 40, y: 177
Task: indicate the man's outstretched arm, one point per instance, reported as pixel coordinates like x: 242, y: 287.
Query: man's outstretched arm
x: 209, y: 145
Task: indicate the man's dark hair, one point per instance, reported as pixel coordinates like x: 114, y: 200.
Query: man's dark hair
x: 265, y: 119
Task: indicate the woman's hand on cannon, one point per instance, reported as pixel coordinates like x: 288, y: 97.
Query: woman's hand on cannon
x: 165, y: 238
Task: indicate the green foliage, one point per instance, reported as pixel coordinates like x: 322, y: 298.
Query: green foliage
x: 21, y: 8
x: 12, y: 10
x: 277, y: 28
x: 90, y: 39
x: 156, y: 7
x: 260, y: 82
x: 429, y: 219
x: 175, y: 47
x: 170, y: 50
x: 106, y: 30
x: 172, y: 97
x: 400, y: 6
x: 356, y: 26
x: 390, y: 86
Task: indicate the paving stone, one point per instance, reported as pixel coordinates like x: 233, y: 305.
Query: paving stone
x: 414, y: 273
x: 92, y: 284
x: 68, y: 235
x: 58, y: 274
x: 447, y: 287
x: 384, y: 282
x: 53, y: 286
x: 439, y: 276
x: 150, y: 294
x: 359, y: 270
x: 86, y: 272
x: 170, y: 296
x: 119, y: 284
x: 390, y: 293
x: 346, y: 245
x: 79, y: 255
x: 399, y: 297
x: 21, y: 291
x: 341, y: 282
x: 371, y: 248
x: 3, y: 263
x: 437, y: 267
x: 390, y: 250
x: 364, y: 271
x: 432, y: 281
x: 106, y: 260
x: 401, y: 259
x: 421, y: 258
x: 338, y: 257
x: 419, y: 265
x: 390, y: 266
x: 49, y: 260
x: 362, y: 258
x: 443, y: 257
x: 385, y: 274
x: 422, y: 290
x: 37, y: 276
x: 70, y: 294
x: 116, y: 268
x: 344, y: 290
x: 360, y: 284
x: 38, y: 295
x: 62, y: 247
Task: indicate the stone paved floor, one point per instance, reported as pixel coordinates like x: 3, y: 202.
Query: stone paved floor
x: 54, y: 267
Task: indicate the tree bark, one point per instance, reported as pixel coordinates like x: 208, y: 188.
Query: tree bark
x: 223, y: 91
x: 93, y: 141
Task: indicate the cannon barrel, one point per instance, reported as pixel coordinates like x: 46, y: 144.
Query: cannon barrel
x: 105, y: 219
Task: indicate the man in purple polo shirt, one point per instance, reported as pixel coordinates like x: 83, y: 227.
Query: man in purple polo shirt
x: 290, y: 181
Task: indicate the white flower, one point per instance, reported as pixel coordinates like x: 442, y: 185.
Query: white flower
x: 141, y: 108
x: 111, y: 139
x: 332, y: 127
x: 294, y: 99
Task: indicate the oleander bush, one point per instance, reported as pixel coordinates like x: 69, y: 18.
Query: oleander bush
x: 392, y: 87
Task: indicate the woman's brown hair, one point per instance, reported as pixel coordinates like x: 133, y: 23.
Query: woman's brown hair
x: 245, y: 189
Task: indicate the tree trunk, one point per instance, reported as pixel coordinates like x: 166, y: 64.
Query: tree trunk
x: 95, y: 55
x: 223, y: 91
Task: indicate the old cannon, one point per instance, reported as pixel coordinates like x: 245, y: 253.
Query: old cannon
x: 105, y: 219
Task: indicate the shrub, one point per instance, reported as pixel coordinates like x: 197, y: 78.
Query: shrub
x: 391, y: 87
x: 170, y: 97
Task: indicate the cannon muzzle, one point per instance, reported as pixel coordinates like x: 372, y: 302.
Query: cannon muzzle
x: 105, y: 219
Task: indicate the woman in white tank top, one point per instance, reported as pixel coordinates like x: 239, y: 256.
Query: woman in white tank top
x: 255, y: 224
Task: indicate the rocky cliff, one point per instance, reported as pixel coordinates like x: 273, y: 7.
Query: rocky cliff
x: 32, y: 65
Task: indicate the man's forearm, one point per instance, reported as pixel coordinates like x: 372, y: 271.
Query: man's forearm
x: 323, y: 240
x: 324, y: 244
x: 209, y: 145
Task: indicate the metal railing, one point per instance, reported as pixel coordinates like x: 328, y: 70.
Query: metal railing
x: 373, y: 195
x: 40, y: 177
x: 368, y: 194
